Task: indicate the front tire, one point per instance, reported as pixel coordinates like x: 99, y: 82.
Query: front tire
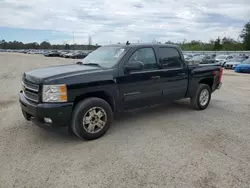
x: 91, y: 118
x: 202, y: 97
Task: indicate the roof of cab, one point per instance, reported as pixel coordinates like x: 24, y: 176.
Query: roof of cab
x: 143, y: 44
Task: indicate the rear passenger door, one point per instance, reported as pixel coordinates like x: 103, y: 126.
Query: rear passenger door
x: 174, y: 74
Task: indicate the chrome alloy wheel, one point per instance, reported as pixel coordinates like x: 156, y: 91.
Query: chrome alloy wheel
x: 94, y: 120
x: 204, y: 97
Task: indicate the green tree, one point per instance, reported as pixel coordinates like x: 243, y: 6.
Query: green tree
x: 169, y: 42
x: 45, y: 45
x: 245, y: 35
x: 67, y: 47
x: 217, y: 44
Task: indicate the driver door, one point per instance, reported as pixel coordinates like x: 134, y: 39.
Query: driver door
x: 141, y: 87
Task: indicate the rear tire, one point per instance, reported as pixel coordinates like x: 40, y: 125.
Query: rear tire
x: 202, y: 97
x: 91, y: 118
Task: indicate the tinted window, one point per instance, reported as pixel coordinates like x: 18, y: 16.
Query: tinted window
x: 146, y: 56
x: 170, y: 58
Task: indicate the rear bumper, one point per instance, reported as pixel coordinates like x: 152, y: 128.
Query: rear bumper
x: 60, y: 114
x: 219, y: 85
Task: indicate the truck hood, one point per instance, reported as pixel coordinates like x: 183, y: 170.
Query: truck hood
x: 39, y: 75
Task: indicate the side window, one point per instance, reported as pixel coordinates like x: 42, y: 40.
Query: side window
x: 170, y: 58
x: 146, y: 56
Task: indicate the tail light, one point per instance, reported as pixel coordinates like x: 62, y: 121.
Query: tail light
x: 221, y: 73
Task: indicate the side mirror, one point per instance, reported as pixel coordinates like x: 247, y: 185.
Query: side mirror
x: 133, y: 66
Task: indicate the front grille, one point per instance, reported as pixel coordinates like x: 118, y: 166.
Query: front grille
x: 31, y: 96
x: 30, y: 91
x: 31, y: 86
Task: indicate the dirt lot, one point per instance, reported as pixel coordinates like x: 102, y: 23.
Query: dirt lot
x: 166, y: 146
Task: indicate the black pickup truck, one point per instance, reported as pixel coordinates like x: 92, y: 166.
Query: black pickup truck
x: 115, y: 78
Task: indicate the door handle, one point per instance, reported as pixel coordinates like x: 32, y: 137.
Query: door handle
x: 155, y: 77
x: 181, y: 74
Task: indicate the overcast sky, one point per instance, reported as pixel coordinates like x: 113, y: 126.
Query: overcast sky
x: 121, y: 20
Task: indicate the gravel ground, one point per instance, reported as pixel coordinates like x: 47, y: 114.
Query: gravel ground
x: 165, y: 146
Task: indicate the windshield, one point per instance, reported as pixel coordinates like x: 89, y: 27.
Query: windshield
x: 221, y: 57
x: 247, y: 61
x: 106, y: 56
x: 208, y: 57
x: 238, y: 59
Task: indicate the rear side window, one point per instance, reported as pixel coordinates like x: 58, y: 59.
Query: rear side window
x: 170, y: 58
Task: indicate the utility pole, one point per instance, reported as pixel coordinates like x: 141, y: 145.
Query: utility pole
x: 73, y: 41
x: 90, y: 40
x: 90, y: 43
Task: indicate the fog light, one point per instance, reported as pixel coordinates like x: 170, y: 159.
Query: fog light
x: 47, y: 120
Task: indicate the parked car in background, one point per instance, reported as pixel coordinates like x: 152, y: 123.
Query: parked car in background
x: 208, y: 59
x: 243, y: 55
x: 244, y: 67
x: 68, y: 55
x: 187, y: 57
x: 222, y: 59
x: 23, y: 51
x: 234, y: 62
x: 79, y: 55
x: 197, y: 59
x: 202, y: 59
x: 41, y: 52
x: 213, y: 55
x: 32, y: 52
x: 197, y: 54
x: 62, y: 53
x: 75, y: 55
x: 53, y: 53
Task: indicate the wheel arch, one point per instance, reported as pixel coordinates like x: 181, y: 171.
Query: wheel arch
x: 208, y: 81
x: 106, y: 96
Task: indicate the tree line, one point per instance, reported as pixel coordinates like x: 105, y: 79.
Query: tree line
x: 44, y: 45
x: 225, y: 43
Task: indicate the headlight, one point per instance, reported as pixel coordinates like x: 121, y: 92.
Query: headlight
x: 55, y: 93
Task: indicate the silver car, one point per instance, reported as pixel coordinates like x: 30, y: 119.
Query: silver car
x: 234, y: 62
x: 222, y: 59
